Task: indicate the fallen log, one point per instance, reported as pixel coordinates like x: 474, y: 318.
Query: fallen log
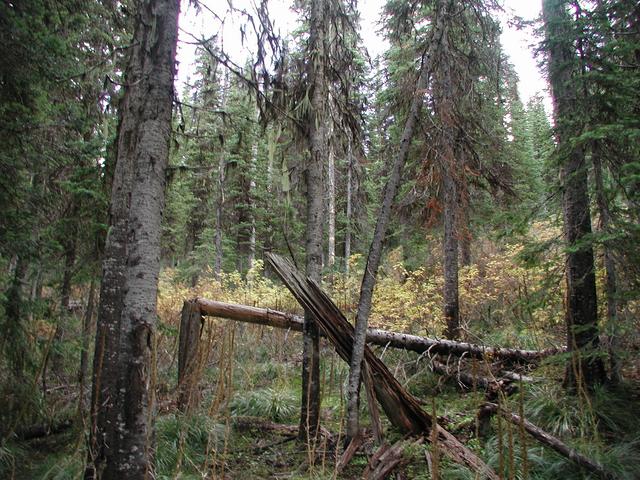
x: 469, y: 381
x: 349, y: 452
x: 191, y: 321
x: 402, y: 408
x: 415, y: 343
x: 42, y: 430
x: 550, y: 441
x: 253, y: 423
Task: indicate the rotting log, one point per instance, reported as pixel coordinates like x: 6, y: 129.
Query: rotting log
x: 43, y: 430
x: 402, y: 408
x: 415, y: 343
x: 550, y: 441
x: 469, y: 381
x: 253, y: 423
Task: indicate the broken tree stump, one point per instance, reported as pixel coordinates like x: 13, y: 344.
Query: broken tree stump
x: 188, y: 353
x: 387, y: 458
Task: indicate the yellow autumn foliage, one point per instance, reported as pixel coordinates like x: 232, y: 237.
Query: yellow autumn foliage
x: 499, y: 292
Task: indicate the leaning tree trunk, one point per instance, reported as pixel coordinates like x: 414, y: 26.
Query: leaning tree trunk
x: 581, y: 316
x: 375, y: 254
x: 122, y: 402
x: 310, y: 408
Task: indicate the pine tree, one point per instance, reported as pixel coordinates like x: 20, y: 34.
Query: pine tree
x: 581, y: 316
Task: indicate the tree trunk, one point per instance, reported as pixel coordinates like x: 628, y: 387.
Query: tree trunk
x: 87, y: 327
x: 13, y: 336
x: 252, y: 188
x: 331, y: 241
x: 310, y: 409
x: 188, y: 351
x: 375, y: 254
x: 450, y: 246
x: 609, y: 267
x: 581, y: 316
x: 70, y: 247
x: 122, y: 404
x: 347, y: 235
x: 450, y: 164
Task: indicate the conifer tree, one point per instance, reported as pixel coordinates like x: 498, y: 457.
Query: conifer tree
x: 581, y: 316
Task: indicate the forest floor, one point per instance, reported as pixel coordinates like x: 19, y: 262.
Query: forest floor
x: 244, y: 425
x: 249, y: 395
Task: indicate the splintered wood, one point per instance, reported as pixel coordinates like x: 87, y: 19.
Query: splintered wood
x: 402, y: 408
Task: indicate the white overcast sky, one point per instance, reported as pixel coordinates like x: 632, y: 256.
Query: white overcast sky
x: 517, y: 43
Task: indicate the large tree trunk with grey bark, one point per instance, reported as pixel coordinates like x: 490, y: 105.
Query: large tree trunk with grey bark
x: 122, y: 399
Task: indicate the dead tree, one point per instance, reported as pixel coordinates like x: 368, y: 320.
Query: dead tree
x: 384, y: 338
x: 402, y: 408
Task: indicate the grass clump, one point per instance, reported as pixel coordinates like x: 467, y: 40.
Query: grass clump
x: 277, y: 404
x: 184, y: 443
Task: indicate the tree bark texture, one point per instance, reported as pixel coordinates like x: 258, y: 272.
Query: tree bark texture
x: 122, y: 398
x: 375, y: 254
x: 252, y: 188
x: 450, y: 246
x: 188, y: 348
x: 331, y: 241
x: 318, y: 146
x: 581, y: 316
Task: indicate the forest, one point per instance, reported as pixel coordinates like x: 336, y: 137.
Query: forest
x: 315, y: 261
